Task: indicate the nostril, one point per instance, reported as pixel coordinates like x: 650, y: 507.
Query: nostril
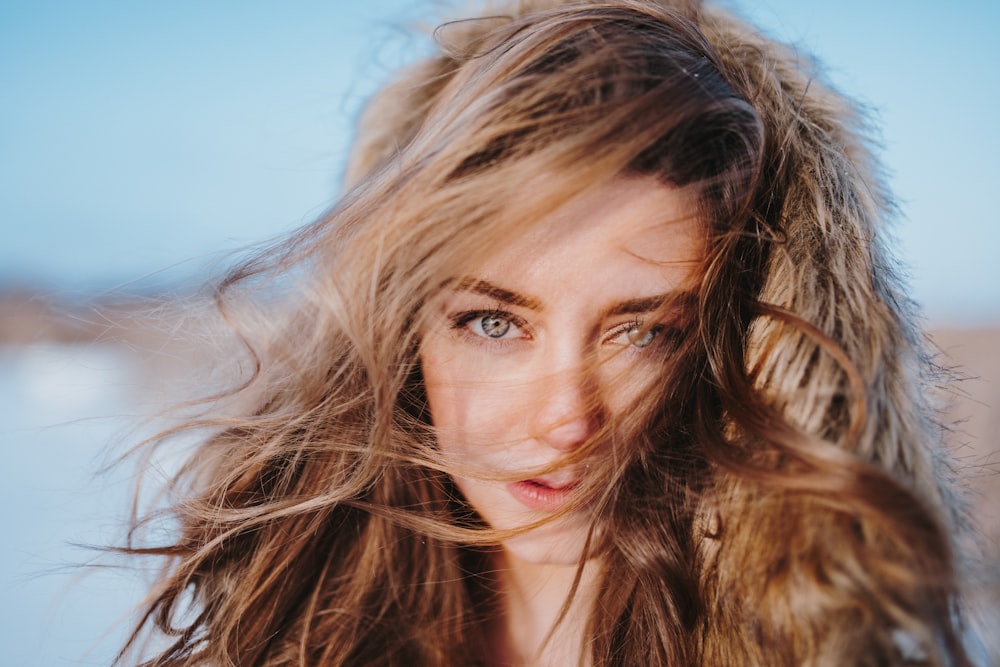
x: 564, y: 416
x: 568, y: 433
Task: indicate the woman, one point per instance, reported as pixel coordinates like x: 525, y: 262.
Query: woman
x: 599, y: 360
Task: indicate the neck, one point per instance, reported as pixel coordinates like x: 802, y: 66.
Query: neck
x: 533, y: 597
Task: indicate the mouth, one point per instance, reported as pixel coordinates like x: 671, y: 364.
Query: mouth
x: 543, y: 493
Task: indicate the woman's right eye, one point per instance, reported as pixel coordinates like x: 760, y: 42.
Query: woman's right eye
x: 491, y: 325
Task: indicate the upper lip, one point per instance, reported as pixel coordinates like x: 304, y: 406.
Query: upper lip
x: 557, y: 481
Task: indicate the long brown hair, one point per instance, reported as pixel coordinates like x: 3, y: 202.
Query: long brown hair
x: 779, y: 497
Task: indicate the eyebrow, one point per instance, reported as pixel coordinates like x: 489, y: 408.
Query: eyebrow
x: 486, y: 288
x: 641, y: 305
x: 646, y: 304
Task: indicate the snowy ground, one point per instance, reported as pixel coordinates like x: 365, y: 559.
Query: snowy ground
x: 62, y: 410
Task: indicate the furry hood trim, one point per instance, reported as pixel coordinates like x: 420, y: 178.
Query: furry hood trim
x: 836, y: 268
x: 770, y: 585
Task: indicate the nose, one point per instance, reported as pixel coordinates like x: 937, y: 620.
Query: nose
x: 568, y: 410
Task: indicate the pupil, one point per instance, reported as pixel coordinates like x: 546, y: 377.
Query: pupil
x: 494, y: 327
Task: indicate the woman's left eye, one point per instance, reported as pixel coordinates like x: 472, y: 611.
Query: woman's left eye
x: 635, y: 335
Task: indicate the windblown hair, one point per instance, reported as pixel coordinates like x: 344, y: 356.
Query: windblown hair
x: 781, y: 498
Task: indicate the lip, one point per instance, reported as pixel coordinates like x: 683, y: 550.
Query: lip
x: 538, y: 494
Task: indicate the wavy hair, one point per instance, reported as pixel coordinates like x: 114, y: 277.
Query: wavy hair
x: 781, y: 495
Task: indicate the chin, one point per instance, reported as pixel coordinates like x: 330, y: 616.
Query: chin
x: 560, y: 542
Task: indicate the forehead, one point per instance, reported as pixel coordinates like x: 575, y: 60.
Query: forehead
x: 627, y: 223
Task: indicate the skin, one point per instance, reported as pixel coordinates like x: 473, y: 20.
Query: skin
x: 524, y: 361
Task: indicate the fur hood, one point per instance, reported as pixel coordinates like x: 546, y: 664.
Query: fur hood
x: 837, y: 270
x: 766, y: 581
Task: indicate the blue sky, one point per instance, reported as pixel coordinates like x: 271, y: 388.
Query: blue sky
x: 150, y: 138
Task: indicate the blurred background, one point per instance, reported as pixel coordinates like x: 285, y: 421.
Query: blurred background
x: 143, y: 143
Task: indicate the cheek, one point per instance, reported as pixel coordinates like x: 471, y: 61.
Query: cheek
x: 458, y: 408
x: 472, y: 409
x: 626, y: 383
x: 443, y: 401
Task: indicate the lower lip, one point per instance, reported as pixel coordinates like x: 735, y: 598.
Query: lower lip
x: 540, y: 497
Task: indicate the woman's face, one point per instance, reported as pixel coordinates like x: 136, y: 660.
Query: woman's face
x: 545, y: 339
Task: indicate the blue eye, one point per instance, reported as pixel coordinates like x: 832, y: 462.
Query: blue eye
x: 640, y: 338
x: 494, y: 326
x: 635, y: 335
